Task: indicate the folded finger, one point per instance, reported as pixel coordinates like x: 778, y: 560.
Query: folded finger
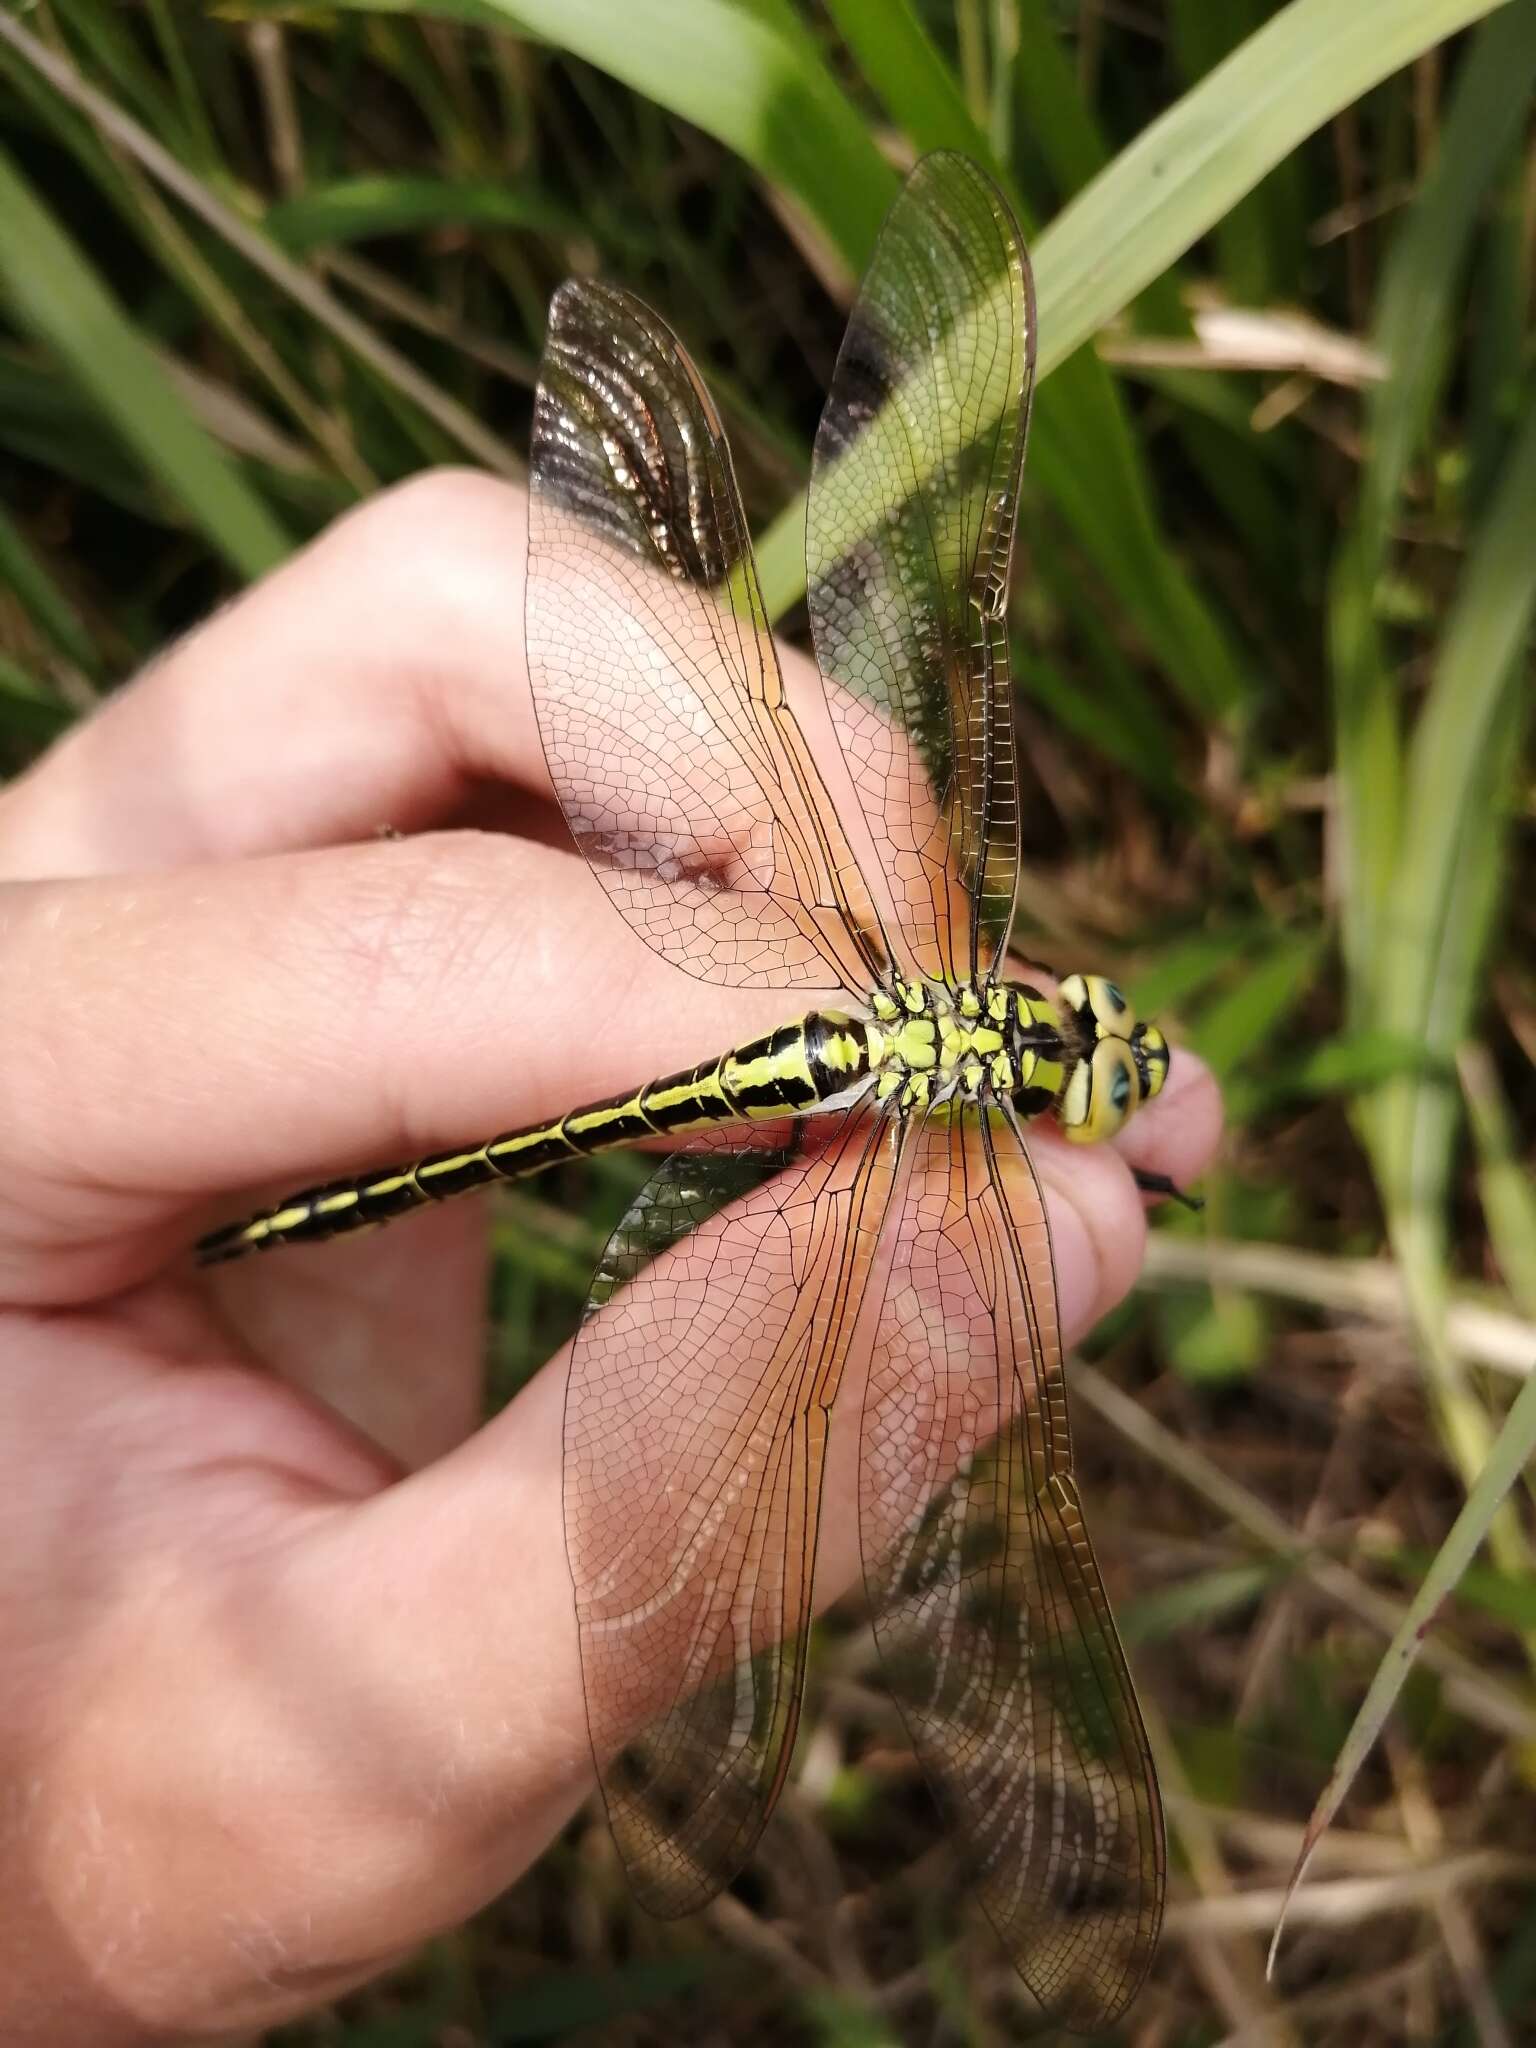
x: 380, y: 682
x: 374, y: 681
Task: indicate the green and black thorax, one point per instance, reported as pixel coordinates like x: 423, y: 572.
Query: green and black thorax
x: 1083, y: 1054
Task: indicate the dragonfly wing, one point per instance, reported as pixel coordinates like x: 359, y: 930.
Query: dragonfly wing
x: 909, y: 539
x: 696, y: 1428
x: 683, y: 774
x: 993, y: 1625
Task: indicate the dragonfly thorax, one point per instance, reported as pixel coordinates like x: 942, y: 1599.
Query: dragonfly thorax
x: 1083, y: 1054
x: 932, y: 1042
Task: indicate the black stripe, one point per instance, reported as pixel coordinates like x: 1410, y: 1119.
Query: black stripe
x: 780, y: 1094
x: 317, y: 1225
x: 609, y: 1129
x: 757, y: 1048
x: 1033, y: 1101
x: 450, y: 1173
x: 788, y: 1038
x: 703, y: 1097
x: 785, y: 1091
x: 831, y: 1080
x: 527, y: 1158
x: 227, y: 1242
x: 1043, y: 1039
x: 381, y: 1200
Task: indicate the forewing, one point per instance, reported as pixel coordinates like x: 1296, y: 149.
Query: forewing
x: 680, y: 767
x: 696, y: 1428
x: 909, y: 540
x: 993, y: 1625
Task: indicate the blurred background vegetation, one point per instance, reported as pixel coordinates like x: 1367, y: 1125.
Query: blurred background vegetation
x: 1273, y: 639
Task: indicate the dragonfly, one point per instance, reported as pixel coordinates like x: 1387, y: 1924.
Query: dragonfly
x: 844, y: 1238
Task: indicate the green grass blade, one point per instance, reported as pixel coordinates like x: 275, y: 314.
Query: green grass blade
x: 173, y: 246
x: 46, y: 418
x: 1447, y: 876
x: 1421, y: 277
x: 1266, y: 226
x: 1515, y: 1445
x: 1504, y: 1181
x: 740, y: 75
x: 1058, y: 138
x: 361, y: 209
x: 1501, y: 294
x: 1192, y: 165
x: 1085, y: 455
x: 1170, y: 979
x: 1116, y: 722
x: 1438, y: 921
x: 1120, y: 719
x: 55, y: 294
x: 1240, y: 1023
x: 45, y: 604
x: 102, y: 40
x: 1417, y: 314
x: 401, y: 382
x: 172, y: 40
x: 1368, y: 768
x: 1182, y: 174
x: 27, y: 711
x: 1357, y: 1060
x: 1054, y: 118
x: 899, y: 60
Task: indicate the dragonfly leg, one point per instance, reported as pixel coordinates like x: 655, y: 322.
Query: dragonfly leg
x: 1164, y: 1184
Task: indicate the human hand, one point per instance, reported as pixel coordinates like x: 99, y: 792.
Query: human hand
x: 290, y: 1661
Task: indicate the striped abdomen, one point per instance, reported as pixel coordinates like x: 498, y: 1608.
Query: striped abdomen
x: 799, y: 1068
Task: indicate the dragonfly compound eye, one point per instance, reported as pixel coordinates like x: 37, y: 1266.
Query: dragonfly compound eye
x: 1103, y: 1091
x: 1111, y: 1011
x: 1149, y: 1049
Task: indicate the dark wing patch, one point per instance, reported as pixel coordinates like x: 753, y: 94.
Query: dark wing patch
x: 682, y: 771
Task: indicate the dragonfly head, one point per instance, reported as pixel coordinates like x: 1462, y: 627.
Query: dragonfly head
x: 1122, y: 1062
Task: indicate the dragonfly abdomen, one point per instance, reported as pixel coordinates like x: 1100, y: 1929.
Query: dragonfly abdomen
x: 818, y: 1061
x: 920, y: 1044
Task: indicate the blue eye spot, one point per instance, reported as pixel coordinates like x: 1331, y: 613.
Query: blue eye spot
x: 1120, y: 1087
x: 1115, y: 997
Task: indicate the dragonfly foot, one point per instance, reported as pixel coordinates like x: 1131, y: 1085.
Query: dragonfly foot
x: 1164, y: 1184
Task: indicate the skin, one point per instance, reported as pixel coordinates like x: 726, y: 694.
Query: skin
x: 288, y: 1663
